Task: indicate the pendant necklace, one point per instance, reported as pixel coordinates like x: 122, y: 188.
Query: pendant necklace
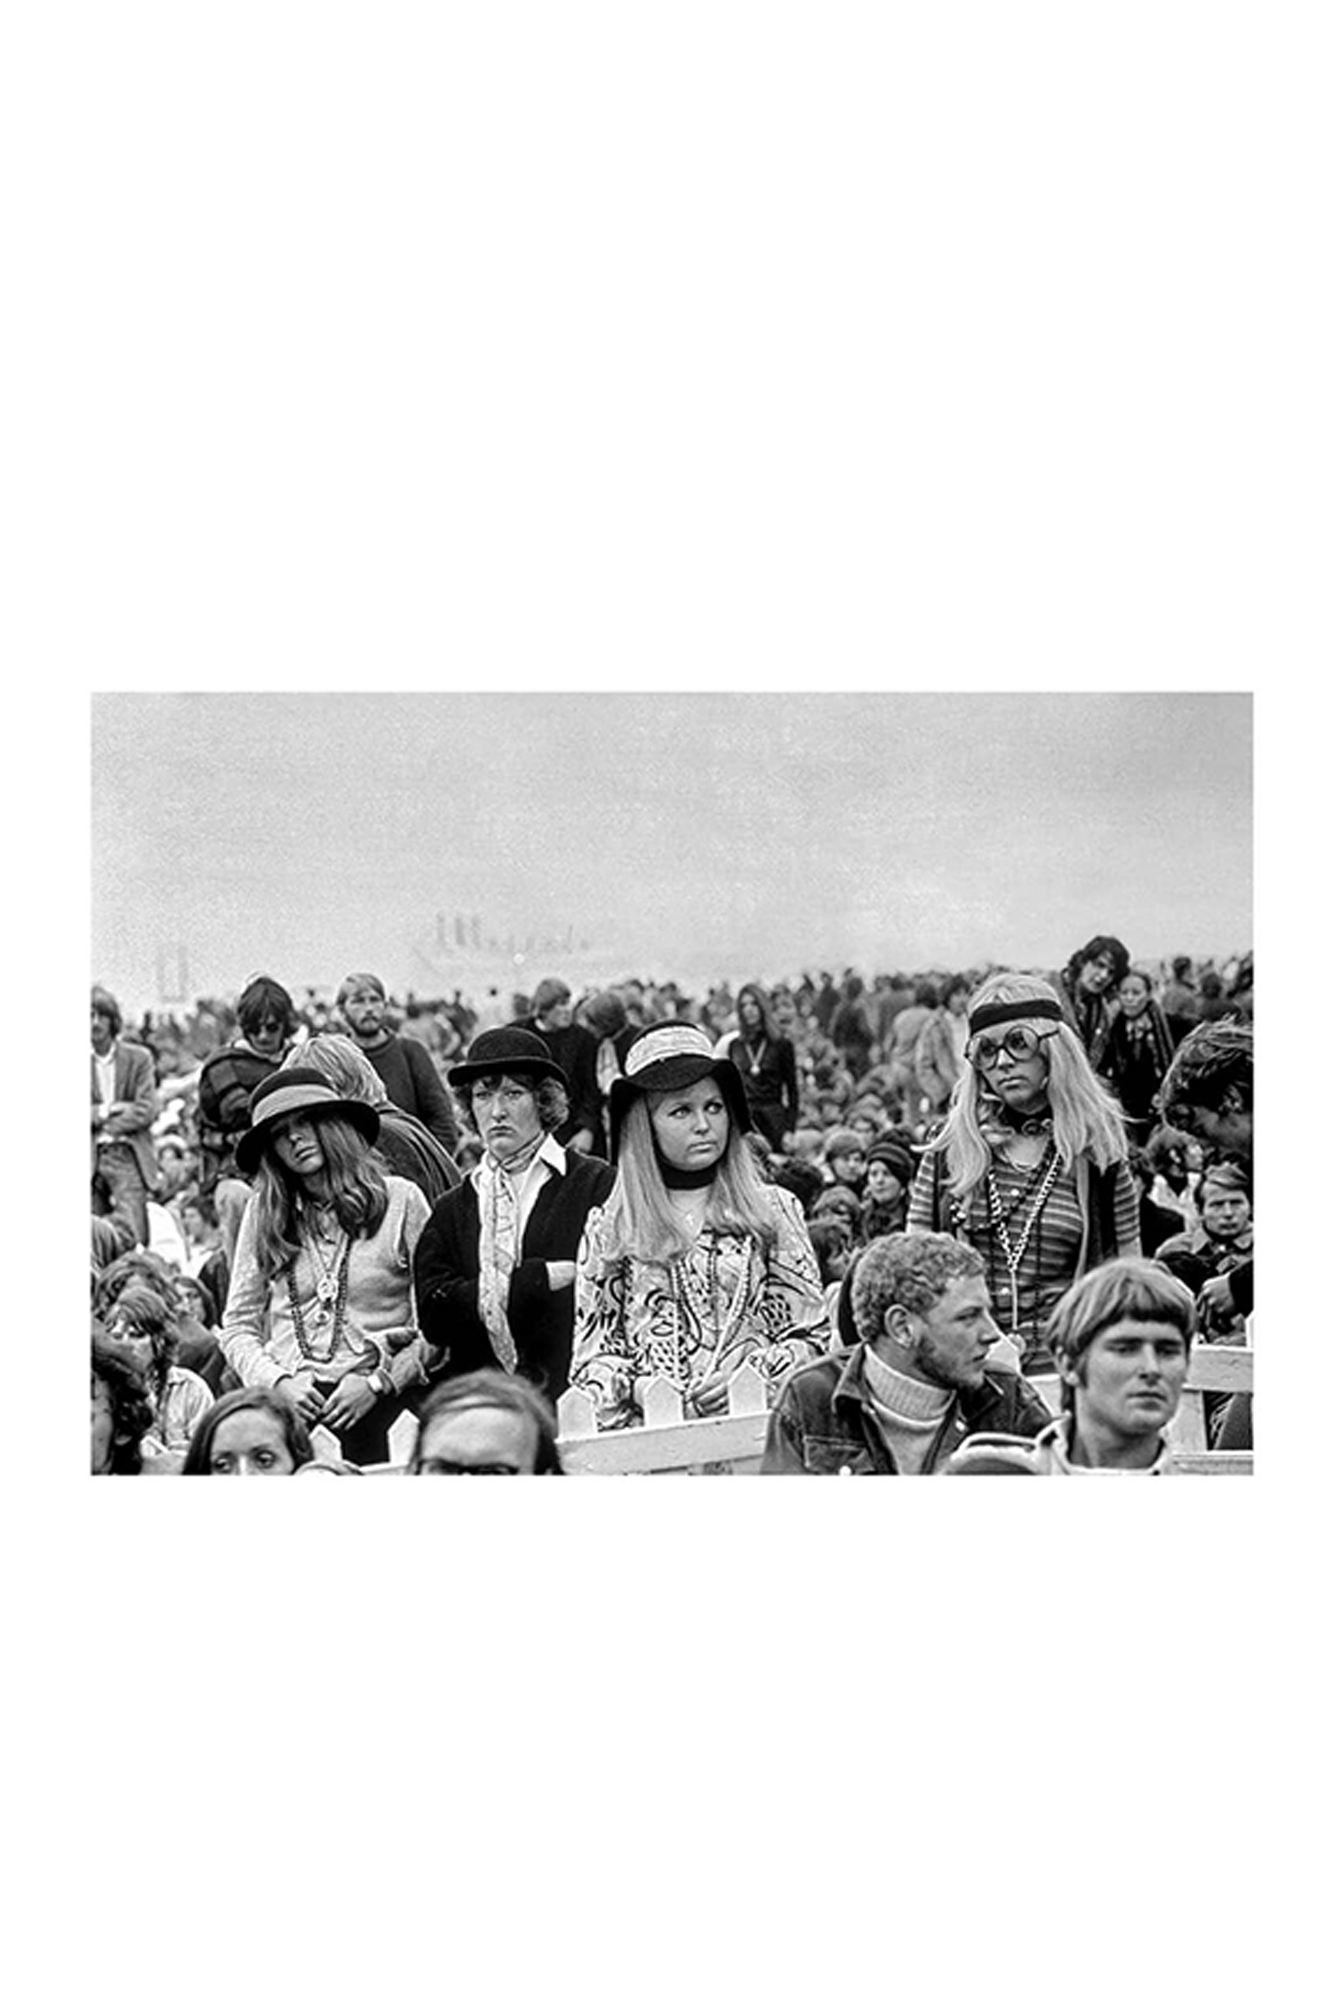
x: 1001, y: 1216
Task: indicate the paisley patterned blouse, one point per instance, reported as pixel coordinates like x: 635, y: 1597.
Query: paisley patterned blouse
x: 728, y: 1302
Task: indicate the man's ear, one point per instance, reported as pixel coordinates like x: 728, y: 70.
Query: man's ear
x: 1067, y: 1370
x: 900, y: 1325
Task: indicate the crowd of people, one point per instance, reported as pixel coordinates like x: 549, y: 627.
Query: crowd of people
x: 969, y: 1220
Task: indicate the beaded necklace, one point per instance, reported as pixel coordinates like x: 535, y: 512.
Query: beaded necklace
x: 330, y: 1296
x: 703, y: 1295
x: 1001, y: 1216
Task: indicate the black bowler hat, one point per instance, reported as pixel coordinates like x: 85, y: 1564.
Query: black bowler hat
x: 507, y: 1052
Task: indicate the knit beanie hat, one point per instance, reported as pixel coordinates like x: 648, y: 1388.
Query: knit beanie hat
x: 896, y: 1152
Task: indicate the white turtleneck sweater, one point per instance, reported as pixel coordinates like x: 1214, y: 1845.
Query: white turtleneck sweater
x: 908, y: 1412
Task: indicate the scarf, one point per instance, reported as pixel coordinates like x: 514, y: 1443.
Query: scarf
x: 497, y: 1201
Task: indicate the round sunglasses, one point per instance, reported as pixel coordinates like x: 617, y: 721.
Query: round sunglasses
x: 1020, y: 1042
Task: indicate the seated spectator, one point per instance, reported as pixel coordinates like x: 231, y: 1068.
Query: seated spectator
x: 918, y: 1379
x: 122, y: 1409
x: 845, y: 1159
x: 841, y: 1201
x: 1208, y: 1092
x: 1157, y: 1225
x: 806, y: 1142
x: 832, y: 1242
x: 251, y: 1432
x: 1223, y: 1240
x: 890, y: 1167
x: 802, y: 1178
x: 866, y: 1119
x: 146, y: 1323
x: 485, y: 1423
x: 1168, y: 1154
x: 1121, y: 1338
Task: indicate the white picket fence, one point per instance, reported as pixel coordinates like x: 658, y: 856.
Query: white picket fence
x: 667, y: 1440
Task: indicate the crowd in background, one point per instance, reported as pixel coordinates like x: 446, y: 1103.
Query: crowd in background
x: 863, y: 1100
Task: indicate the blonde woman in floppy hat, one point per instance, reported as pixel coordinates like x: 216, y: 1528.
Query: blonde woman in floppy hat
x: 695, y: 1265
x: 320, y: 1306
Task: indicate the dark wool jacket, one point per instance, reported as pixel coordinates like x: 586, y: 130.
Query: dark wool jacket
x: 575, y: 1050
x: 824, y: 1422
x: 446, y: 1277
x: 414, y: 1084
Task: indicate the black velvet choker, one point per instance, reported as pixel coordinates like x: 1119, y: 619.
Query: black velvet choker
x: 687, y: 1177
x: 1034, y: 1125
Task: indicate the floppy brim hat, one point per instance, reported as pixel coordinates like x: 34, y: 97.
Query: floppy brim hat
x: 673, y: 1057
x: 289, y: 1090
x: 507, y: 1052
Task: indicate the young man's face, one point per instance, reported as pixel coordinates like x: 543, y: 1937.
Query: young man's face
x: 269, y: 1037
x: 955, y: 1337
x: 103, y: 1035
x: 1097, y: 973
x: 1224, y: 1212
x: 1228, y: 1130
x: 364, y: 1011
x: 849, y: 1167
x: 1127, y: 1384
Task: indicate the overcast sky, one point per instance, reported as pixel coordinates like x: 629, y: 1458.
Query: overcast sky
x: 746, y: 834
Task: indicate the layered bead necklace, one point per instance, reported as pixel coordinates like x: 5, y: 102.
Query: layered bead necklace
x: 1036, y: 1187
x: 330, y: 1307
x: 701, y: 1294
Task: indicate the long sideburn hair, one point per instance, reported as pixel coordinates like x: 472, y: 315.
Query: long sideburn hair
x: 355, y: 1184
x: 640, y: 1220
x: 1085, y: 1116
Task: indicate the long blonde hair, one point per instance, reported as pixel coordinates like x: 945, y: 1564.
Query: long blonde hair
x: 640, y: 1220
x: 1085, y: 1117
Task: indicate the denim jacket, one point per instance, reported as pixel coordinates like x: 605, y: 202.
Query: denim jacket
x: 824, y: 1422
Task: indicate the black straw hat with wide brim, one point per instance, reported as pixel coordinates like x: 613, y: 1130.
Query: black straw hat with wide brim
x: 507, y: 1052
x: 674, y: 1056
x: 289, y: 1090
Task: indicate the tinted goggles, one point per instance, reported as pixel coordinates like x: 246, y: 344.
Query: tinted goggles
x: 1020, y: 1042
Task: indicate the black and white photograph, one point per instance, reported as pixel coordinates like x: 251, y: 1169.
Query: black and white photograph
x: 780, y: 1083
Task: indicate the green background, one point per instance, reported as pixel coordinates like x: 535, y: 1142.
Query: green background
x: 587, y: 323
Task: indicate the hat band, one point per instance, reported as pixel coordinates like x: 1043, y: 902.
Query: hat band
x: 660, y: 1044
x: 295, y: 1097
x: 1012, y: 1010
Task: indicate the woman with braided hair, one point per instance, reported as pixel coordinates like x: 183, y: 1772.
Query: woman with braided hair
x: 1031, y: 1164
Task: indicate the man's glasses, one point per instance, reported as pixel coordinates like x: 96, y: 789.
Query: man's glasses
x: 1018, y: 1042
